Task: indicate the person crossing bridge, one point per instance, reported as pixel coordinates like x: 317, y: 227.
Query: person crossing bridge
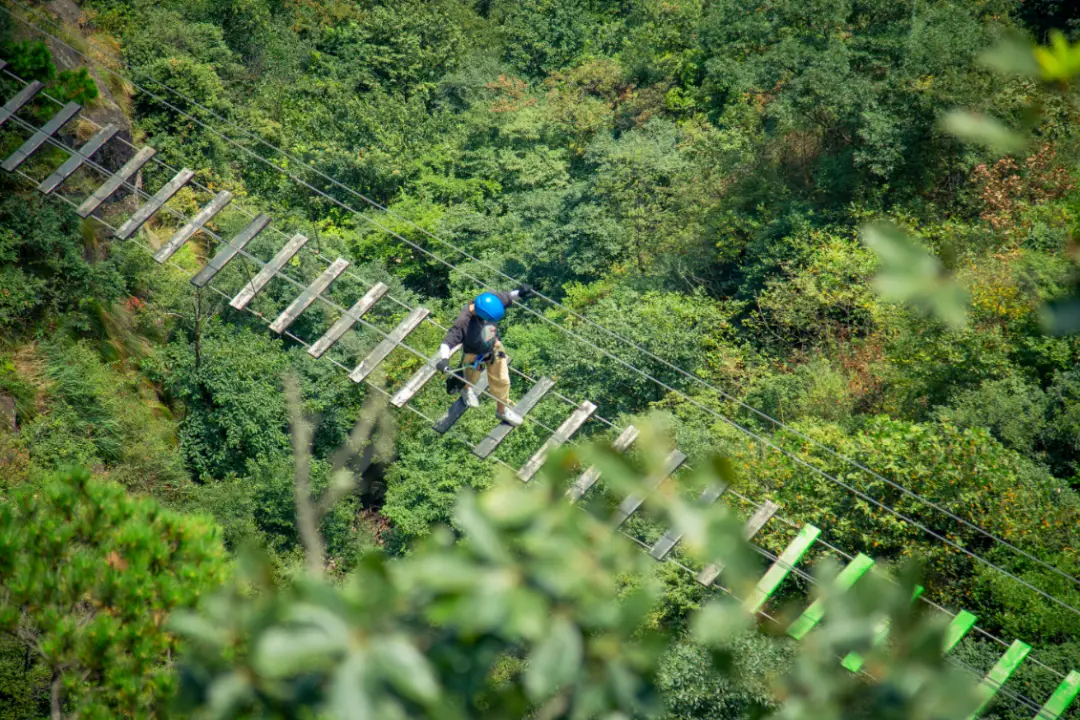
x: 476, y: 330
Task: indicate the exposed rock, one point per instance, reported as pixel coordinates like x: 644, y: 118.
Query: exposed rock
x: 107, y: 108
x: 67, y: 12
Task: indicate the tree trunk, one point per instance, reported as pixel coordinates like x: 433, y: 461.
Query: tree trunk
x: 198, y: 331
x: 54, y: 695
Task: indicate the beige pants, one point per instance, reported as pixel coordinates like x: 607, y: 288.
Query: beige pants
x: 498, y: 371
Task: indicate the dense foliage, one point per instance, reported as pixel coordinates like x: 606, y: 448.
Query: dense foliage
x: 692, y: 176
x: 89, y: 577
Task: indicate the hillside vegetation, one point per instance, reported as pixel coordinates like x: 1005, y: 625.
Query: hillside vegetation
x: 692, y: 175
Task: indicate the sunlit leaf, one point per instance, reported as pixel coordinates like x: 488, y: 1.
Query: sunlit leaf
x: 982, y: 130
x: 1061, y: 60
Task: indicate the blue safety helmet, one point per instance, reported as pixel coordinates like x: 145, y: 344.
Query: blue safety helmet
x: 489, y: 307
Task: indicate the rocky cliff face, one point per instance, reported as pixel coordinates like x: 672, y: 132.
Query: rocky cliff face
x: 109, y: 107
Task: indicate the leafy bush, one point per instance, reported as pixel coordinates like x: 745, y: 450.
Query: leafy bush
x: 234, y: 412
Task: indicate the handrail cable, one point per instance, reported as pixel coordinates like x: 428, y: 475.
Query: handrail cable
x: 562, y: 328
x: 974, y: 673
x: 603, y: 351
x: 250, y: 214
x: 509, y: 467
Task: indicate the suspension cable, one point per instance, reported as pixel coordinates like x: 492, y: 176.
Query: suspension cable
x: 497, y: 459
x: 655, y: 380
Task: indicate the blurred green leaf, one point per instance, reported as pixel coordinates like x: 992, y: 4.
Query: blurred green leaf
x: 196, y: 628
x: 909, y: 274
x: 479, y: 532
x: 406, y: 669
x: 555, y: 661
x: 349, y: 696
x: 1012, y: 56
x: 511, y: 503
x: 719, y: 622
x: 281, y: 652
x: 227, y: 696
x: 1062, y: 318
x: 983, y: 130
x: 325, y: 620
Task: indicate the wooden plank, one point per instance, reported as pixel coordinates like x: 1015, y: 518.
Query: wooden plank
x: 16, y: 103
x: 527, y: 403
x: 28, y: 148
x: 1063, y: 697
x: 591, y: 475
x: 78, y: 158
x: 230, y: 250
x: 155, y: 203
x: 957, y: 629
x: 999, y: 675
x: 753, y: 526
x: 853, y: 661
x: 113, y: 182
x: 419, y: 379
x: 3, y: 64
x: 443, y: 424
x: 384, y: 348
x: 562, y: 434
x: 309, y: 295
x: 843, y: 582
x: 268, y: 271
x: 631, y: 503
x: 672, y: 537
x: 780, y: 569
x: 193, y: 226
x: 347, y: 320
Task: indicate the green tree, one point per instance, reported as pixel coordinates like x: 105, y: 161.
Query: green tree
x: 88, y: 578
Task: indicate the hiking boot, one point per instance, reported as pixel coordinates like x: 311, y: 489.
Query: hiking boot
x: 469, y: 396
x: 510, y: 417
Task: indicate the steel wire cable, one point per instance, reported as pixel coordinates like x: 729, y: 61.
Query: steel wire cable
x: 765, y: 553
x: 327, y: 301
x: 175, y: 213
x: 377, y: 388
x: 553, y: 302
x: 250, y: 214
x: 578, y: 337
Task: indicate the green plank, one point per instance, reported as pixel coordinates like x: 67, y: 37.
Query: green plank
x: 1062, y: 698
x: 853, y: 661
x: 958, y: 628
x: 780, y: 569
x: 813, y: 614
x: 998, y: 674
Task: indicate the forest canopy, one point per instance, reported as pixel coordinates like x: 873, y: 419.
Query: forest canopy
x: 832, y: 242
